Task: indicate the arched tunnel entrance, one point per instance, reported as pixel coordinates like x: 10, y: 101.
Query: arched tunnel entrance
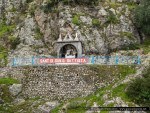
x: 68, y: 51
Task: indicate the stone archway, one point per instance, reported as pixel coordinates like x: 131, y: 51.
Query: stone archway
x: 68, y: 45
x: 68, y: 51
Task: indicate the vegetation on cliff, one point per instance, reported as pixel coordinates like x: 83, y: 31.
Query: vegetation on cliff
x: 139, y: 89
x: 142, y: 17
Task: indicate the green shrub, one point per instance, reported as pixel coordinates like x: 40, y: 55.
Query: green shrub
x: 3, y: 59
x: 131, y: 47
x: 5, y: 29
x: 5, y: 95
x: 119, y: 91
x: 76, y: 20
x: 96, y: 22
x: 139, y: 89
x: 142, y: 17
x: 9, y: 42
x: 131, y: 5
x: 76, y: 106
x: 115, y: 5
x: 3, y: 56
x: 13, y: 41
x: 32, y: 9
x: 127, y: 34
x: 73, y: 105
x: 38, y: 34
x: 146, y: 46
x: 111, y: 20
x: 8, y: 81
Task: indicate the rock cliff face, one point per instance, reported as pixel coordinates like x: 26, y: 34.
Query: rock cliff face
x: 37, y: 25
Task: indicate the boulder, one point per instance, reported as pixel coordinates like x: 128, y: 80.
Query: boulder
x: 18, y: 101
x: 102, y: 12
x: 48, y: 106
x: 86, y: 20
x: 15, y: 89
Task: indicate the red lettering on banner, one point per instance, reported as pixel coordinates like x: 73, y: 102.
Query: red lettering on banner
x: 63, y: 60
x: 68, y: 60
x: 46, y: 61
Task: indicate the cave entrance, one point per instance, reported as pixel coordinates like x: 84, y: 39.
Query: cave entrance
x: 68, y: 51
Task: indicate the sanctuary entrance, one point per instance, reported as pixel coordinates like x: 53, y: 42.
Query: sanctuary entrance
x: 68, y: 47
x: 68, y: 51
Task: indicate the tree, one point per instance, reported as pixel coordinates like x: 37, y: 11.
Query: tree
x: 142, y: 17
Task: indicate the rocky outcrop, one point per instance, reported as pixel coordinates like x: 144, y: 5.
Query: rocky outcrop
x: 15, y: 89
x: 101, y: 34
x: 90, y: 35
x: 38, y: 26
x: 47, y: 107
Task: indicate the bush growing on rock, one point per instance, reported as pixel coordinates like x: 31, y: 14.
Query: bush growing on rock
x: 75, y: 20
x: 5, y: 29
x: 139, y: 90
x: 14, y: 41
x: 96, y: 22
x: 142, y: 17
x: 111, y: 20
x: 3, y: 56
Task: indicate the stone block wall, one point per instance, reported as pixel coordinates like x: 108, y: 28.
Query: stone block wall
x: 58, y: 82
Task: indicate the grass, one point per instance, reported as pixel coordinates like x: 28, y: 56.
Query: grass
x: 25, y: 106
x: 120, y: 92
x: 77, y: 110
x: 114, y: 5
x: 4, y: 29
x: 8, y: 81
x: 38, y: 34
x: 131, y: 5
x: 56, y: 110
x: 3, y: 58
x: 96, y: 22
x: 127, y: 34
x: 6, y: 96
x: 76, y: 20
x: 146, y: 46
x: 119, y: 70
x: 76, y: 106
